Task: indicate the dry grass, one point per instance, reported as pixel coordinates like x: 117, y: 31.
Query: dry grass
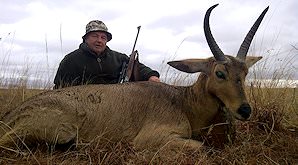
x: 270, y: 137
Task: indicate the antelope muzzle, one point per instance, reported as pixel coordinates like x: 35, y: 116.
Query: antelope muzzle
x: 244, y: 111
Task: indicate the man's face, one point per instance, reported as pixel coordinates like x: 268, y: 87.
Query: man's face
x: 97, y: 41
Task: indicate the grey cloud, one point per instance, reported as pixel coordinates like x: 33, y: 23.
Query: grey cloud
x: 178, y: 23
x: 11, y: 13
x: 59, y: 3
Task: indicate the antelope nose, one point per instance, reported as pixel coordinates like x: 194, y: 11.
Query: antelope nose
x: 244, y: 111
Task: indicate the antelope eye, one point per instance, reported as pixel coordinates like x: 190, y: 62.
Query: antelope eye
x: 220, y: 75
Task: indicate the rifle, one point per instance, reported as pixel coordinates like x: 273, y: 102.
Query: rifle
x: 129, y: 71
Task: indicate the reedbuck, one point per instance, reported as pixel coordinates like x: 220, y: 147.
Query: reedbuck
x: 150, y: 115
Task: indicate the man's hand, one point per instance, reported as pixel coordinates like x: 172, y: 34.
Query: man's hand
x: 154, y: 78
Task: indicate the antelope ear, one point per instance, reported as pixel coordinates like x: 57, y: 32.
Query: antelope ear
x: 250, y: 61
x: 191, y: 65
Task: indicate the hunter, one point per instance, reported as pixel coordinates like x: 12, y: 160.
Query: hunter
x: 94, y: 62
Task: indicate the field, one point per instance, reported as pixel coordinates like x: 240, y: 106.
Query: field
x: 270, y: 137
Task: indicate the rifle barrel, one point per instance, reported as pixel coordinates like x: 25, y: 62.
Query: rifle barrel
x: 134, y: 45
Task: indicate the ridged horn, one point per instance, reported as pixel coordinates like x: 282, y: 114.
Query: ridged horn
x: 217, y: 53
x: 248, y: 39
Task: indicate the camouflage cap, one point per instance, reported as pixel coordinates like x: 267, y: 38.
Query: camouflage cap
x: 97, y: 25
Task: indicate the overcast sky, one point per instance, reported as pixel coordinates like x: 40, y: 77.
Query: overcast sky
x: 37, y: 34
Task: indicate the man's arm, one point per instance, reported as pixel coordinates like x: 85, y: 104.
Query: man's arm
x: 146, y: 73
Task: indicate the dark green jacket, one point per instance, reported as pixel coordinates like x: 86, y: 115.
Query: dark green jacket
x: 83, y: 66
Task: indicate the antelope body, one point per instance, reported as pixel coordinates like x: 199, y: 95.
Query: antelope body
x: 148, y: 114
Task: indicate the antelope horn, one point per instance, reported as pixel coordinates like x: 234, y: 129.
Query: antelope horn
x: 248, y: 39
x: 217, y: 53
